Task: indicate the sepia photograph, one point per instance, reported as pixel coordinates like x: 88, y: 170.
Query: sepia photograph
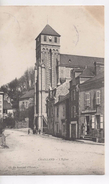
x: 52, y: 119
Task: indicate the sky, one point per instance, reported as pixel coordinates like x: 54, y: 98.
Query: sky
x: 81, y: 29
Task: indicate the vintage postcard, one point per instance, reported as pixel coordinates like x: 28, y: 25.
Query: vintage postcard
x: 52, y: 90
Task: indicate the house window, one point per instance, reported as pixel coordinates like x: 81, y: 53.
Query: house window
x: 55, y: 39
x: 63, y: 110
x: 101, y: 121
x: 87, y: 98
x: 74, y: 95
x: 93, y: 121
x: 74, y: 111
x: 98, y: 121
x: 45, y: 38
x: 57, y: 127
x: 97, y: 97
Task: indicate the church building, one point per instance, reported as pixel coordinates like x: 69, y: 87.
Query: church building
x: 52, y: 69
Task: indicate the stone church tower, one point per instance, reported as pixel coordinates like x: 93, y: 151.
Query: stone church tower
x: 47, y: 57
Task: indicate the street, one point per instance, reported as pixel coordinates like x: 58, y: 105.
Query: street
x: 43, y: 155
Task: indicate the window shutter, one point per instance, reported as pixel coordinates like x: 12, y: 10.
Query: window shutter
x: 93, y: 121
x: 85, y: 123
x: 101, y: 121
x: 88, y: 96
x: 85, y: 96
x: 97, y: 97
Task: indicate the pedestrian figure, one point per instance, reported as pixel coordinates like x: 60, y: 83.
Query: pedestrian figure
x: 28, y: 131
x: 34, y: 131
x: 39, y: 131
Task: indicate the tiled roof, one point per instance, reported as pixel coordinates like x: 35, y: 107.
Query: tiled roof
x: 28, y: 94
x: 95, y: 78
x: 78, y: 61
x: 63, y: 98
x: 48, y: 30
x: 6, y: 105
x: 62, y: 90
x: 87, y: 72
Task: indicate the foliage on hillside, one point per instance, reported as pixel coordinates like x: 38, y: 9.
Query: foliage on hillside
x: 17, y: 87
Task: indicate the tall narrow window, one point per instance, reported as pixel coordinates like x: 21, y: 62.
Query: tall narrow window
x: 93, y: 121
x: 87, y: 98
x: 74, y: 111
x: 71, y: 111
x: 45, y: 38
x: 63, y: 110
x: 97, y: 97
x: 101, y: 121
x: 55, y: 39
x: 74, y: 95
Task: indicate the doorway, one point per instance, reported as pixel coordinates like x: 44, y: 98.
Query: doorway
x: 88, y: 125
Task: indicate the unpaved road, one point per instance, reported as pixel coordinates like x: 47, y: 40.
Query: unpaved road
x: 42, y: 155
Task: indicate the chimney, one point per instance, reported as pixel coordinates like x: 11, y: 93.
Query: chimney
x: 99, y: 67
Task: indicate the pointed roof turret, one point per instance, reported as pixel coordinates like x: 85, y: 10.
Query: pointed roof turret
x: 48, y: 30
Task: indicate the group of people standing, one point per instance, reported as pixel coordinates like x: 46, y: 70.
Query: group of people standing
x: 35, y: 131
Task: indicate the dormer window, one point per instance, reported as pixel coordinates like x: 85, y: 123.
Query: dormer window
x: 55, y: 39
x: 45, y: 38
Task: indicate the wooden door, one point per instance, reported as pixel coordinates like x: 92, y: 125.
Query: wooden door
x: 73, y: 131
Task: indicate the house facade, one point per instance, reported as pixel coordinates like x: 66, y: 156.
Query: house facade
x: 61, y: 124
x: 87, y: 103
x: 26, y: 100
x: 91, y: 120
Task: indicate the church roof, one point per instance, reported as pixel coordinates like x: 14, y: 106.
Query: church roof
x: 48, y: 30
x: 78, y: 61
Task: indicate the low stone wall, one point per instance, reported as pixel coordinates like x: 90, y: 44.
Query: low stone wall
x: 22, y: 124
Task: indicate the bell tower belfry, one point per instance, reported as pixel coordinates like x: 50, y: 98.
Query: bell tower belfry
x: 47, y: 57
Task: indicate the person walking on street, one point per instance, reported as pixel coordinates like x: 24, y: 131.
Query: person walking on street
x: 39, y: 131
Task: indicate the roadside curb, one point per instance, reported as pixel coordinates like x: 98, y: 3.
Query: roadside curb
x: 77, y: 140
x: 91, y: 142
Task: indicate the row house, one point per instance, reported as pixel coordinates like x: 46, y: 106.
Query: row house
x: 61, y: 128
x: 26, y: 100
x: 78, y: 77
x: 87, y: 103
x: 57, y: 104
x: 91, y: 119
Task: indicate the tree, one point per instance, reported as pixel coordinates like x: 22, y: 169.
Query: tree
x: 2, y: 125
